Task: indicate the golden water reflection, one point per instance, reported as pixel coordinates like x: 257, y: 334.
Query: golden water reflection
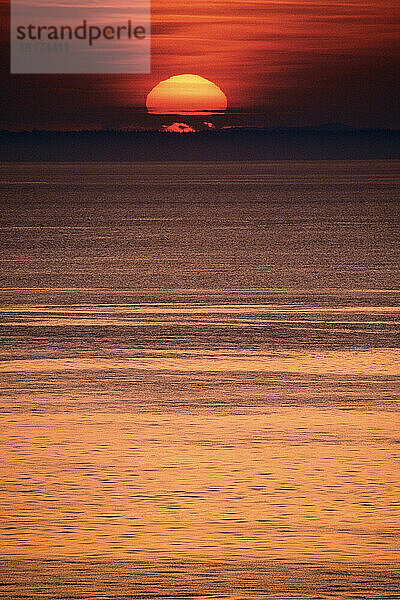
x: 291, y: 484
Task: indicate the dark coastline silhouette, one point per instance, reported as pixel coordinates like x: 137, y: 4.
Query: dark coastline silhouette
x: 328, y: 142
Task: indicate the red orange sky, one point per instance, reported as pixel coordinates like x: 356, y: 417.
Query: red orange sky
x: 281, y: 63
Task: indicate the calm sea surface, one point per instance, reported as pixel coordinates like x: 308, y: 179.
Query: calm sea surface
x: 200, y: 368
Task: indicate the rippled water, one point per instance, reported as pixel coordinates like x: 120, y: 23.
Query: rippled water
x: 200, y: 380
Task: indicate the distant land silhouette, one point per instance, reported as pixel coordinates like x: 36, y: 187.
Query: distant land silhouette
x: 324, y: 142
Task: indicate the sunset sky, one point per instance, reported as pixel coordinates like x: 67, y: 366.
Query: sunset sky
x: 279, y: 63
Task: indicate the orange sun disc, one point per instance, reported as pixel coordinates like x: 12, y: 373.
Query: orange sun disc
x: 186, y: 94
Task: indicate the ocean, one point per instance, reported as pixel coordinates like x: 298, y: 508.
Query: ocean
x: 200, y: 371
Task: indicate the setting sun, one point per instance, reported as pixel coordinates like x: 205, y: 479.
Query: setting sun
x: 186, y: 94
